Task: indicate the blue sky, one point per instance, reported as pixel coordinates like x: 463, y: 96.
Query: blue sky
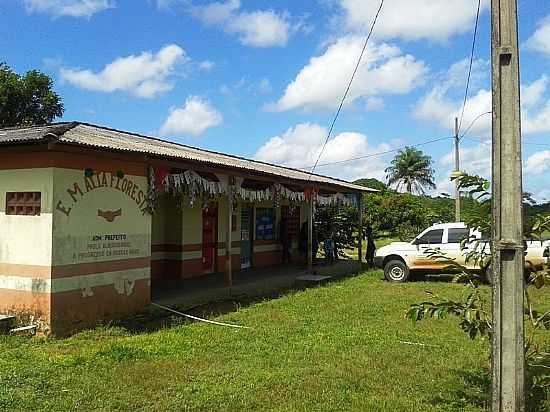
x: 263, y: 79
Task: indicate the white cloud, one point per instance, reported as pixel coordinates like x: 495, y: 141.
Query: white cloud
x: 300, y: 146
x: 206, y: 65
x: 535, y: 107
x: 320, y: 84
x: 540, y: 40
x: 72, y: 8
x: 260, y: 28
x: 264, y: 86
x: 412, y: 20
x: 194, y: 118
x: 145, y: 75
x: 538, y: 163
x: 533, y: 93
x: 475, y: 160
x: 375, y: 104
x: 444, y: 101
x: 437, y: 107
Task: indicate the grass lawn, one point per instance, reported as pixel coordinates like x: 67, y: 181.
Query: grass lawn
x: 333, y: 348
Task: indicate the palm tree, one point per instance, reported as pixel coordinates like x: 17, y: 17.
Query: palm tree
x: 411, y: 169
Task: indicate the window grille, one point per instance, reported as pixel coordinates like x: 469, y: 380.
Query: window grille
x: 23, y: 203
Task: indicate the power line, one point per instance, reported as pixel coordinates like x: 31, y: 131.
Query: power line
x: 471, y: 63
x: 479, y: 140
x: 348, y: 88
x: 473, y: 122
x: 380, y: 153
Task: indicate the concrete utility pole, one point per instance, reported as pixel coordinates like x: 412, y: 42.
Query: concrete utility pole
x: 507, y: 241
x: 457, y: 170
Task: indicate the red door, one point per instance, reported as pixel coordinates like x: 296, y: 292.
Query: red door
x: 209, y: 238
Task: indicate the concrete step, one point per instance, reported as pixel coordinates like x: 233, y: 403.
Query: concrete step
x: 312, y: 280
x: 6, y: 324
x: 24, y: 330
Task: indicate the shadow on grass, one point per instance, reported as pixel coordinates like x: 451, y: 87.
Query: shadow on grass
x: 538, y: 379
x: 475, y: 390
x: 156, y: 319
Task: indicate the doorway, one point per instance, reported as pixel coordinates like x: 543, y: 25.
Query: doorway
x: 209, y: 238
x: 246, y: 237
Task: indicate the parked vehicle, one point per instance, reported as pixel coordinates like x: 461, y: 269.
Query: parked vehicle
x: 400, y: 259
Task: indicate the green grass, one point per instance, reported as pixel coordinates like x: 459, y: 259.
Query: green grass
x: 333, y: 348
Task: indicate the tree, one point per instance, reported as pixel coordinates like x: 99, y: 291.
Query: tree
x: 411, y: 169
x: 473, y: 307
x: 27, y: 100
x: 372, y: 183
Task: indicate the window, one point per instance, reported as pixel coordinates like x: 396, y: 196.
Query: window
x: 265, y: 224
x: 23, y: 203
x: 458, y: 235
x: 431, y: 237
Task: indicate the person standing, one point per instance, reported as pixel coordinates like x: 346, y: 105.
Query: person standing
x: 371, y: 247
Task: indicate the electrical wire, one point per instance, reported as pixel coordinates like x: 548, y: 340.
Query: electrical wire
x: 471, y: 63
x: 348, y: 88
x: 479, y: 140
x: 473, y: 122
x: 380, y: 153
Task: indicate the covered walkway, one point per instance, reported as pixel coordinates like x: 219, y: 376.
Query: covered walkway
x: 187, y: 293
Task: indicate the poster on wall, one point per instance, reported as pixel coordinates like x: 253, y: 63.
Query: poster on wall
x: 265, y: 223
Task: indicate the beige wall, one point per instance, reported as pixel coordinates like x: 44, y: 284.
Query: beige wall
x: 167, y: 222
x: 101, y: 243
x: 26, y: 248
x: 81, y: 235
x: 26, y: 240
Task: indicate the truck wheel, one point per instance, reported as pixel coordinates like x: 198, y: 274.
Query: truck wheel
x: 396, y: 271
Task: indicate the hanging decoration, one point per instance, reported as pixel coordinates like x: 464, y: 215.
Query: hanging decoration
x: 198, y: 188
x: 310, y: 194
x: 160, y: 178
x: 194, y: 185
x: 295, y: 197
x: 338, y: 199
x: 276, y: 195
x: 151, y: 196
x: 251, y: 195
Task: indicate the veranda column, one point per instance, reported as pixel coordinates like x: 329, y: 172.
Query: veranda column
x: 228, y: 246
x: 310, y: 235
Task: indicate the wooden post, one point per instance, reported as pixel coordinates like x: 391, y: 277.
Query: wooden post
x: 507, y: 240
x: 310, y: 235
x: 228, y: 246
x: 360, y: 229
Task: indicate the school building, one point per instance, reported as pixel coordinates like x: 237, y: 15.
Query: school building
x: 91, y: 218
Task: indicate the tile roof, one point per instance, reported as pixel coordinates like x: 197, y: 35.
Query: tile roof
x: 83, y: 134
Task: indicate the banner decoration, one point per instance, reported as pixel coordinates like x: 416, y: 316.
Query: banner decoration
x: 195, y: 187
x: 336, y: 199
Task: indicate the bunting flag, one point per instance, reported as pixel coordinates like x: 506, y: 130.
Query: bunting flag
x: 196, y: 187
x: 160, y: 177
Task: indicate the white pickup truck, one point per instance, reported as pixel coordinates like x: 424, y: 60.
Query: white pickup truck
x: 399, y: 259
